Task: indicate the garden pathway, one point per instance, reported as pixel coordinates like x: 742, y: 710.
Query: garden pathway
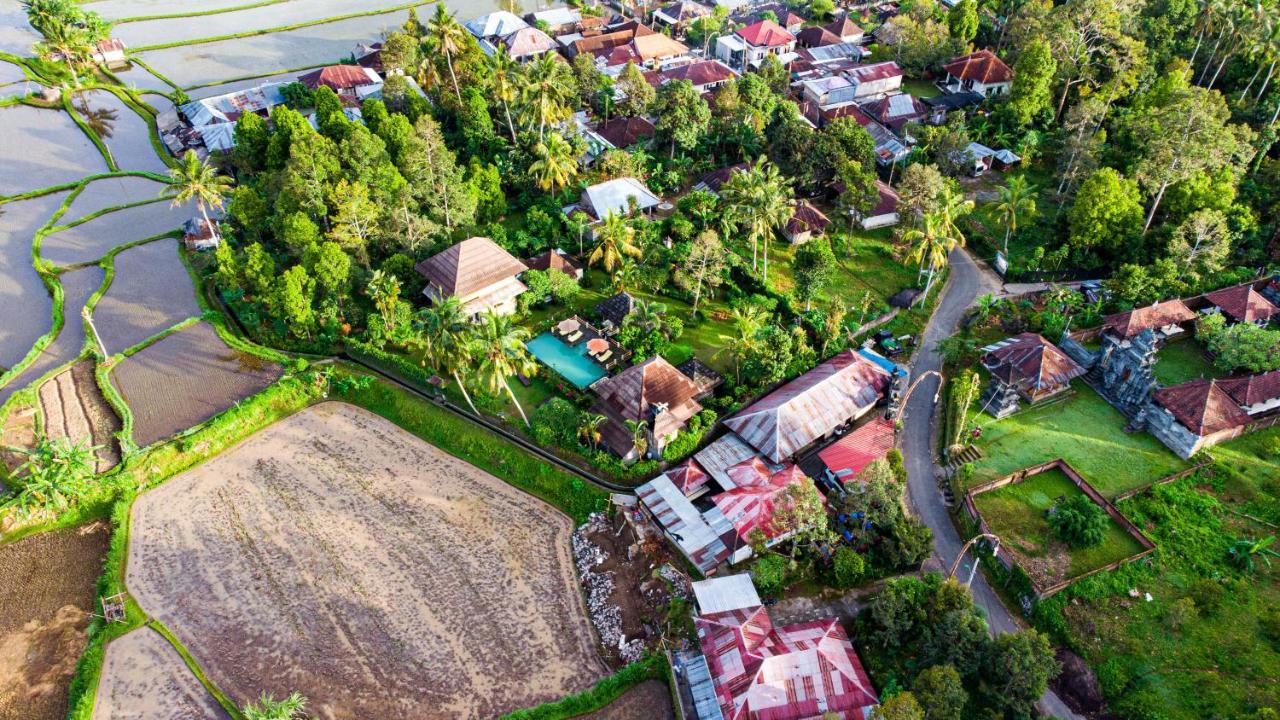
x: 968, y: 281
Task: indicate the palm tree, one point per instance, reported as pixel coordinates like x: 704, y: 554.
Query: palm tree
x: 639, y: 436
x: 1017, y: 200
x: 930, y: 244
x: 384, y: 290
x: 547, y: 91
x: 444, y: 333
x: 951, y: 207
x: 53, y: 478
x: 500, y: 352
x: 759, y: 199
x: 617, y: 240
x: 449, y: 38
x: 625, y: 276
x: 506, y: 78
x: 589, y: 433
x: 196, y: 179
x: 748, y: 320
x: 1243, y: 552
x: 268, y: 708
x: 555, y: 165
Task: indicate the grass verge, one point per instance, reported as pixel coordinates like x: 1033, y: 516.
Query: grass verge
x: 651, y: 667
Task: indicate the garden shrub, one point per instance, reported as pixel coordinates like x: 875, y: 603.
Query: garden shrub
x: 651, y: 667
x: 555, y: 423
x: 847, y: 568
x: 1079, y: 522
x: 770, y: 574
x: 1181, y: 612
x: 1207, y: 594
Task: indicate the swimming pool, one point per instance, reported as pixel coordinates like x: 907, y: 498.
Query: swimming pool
x: 570, y: 361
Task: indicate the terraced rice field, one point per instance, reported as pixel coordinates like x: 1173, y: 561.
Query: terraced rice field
x: 73, y: 407
x: 124, y: 132
x: 150, y: 293
x: 110, y: 192
x: 91, y: 241
x: 213, y: 62
x: 16, y: 34
x: 144, y: 678
x: 77, y: 286
x: 13, y: 83
x: 122, y: 9
x: 25, y: 304
x: 340, y: 556
x: 185, y: 379
x: 48, y: 591
x: 138, y: 77
x: 158, y: 32
x: 42, y: 148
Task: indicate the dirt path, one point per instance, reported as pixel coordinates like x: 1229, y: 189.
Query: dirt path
x: 74, y: 408
x: 144, y: 678
x: 337, y: 555
x: 650, y: 700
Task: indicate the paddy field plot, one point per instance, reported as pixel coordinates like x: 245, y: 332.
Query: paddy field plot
x: 238, y: 85
x: 650, y: 700
x: 91, y: 241
x: 73, y: 407
x: 110, y: 192
x: 204, y: 63
x: 185, y: 379
x: 13, y: 83
x: 139, y: 78
x: 122, y: 9
x: 42, y: 148
x: 124, y: 132
x: 16, y: 34
x: 338, y: 555
x: 48, y: 591
x: 25, y: 304
x: 160, y: 32
x: 150, y: 293
x: 144, y: 678
x: 77, y: 286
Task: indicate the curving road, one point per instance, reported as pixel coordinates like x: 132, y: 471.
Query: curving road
x: 967, y: 282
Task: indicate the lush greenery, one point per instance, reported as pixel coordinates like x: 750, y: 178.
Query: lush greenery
x: 1085, y: 431
x: 1241, y: 347
x: 1182, y: 361
x: 651, y: 667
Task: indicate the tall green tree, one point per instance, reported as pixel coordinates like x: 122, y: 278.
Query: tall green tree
x: 616, y: 240
x: 962, y: 21
x: 683, y: 117
x: 501, y: 353
x: 1032, y: 93
x: 638, y: 93
x: 297, y: 293
x: 554, y: 165
x: 1106, y: 214
x: 355, y: 219
x: 704, y: 267
x: 940, y: 692
x: 1201, y: 244
x: 759, y: 199
x: 547, y: 92
x: 1017, y: 202
x: 1019, y: 670
x: 506, y: 82
x: 384, y: 290
x: 195, y: 179
x: 444, y: 335
x: 449, y: 38
x: 814, y: 267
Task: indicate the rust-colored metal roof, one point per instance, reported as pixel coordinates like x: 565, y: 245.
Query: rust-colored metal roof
x: 554, y: 260
x: 1254, y: 389
x: 337, y: 77
x: 1242, y: 303
x: 1134, y: 322
x: 622, y: 132
x: 807, y: 408
x: 844, y: 27
x: 1028, y: 359
x: 688, y: 476
x: 469, y: 267
x: 982, y: 66
x: 638, y: 392
x: 817, y: 37
x: 1201, y: 406
x: 848, y: 456
x: 806, y: 218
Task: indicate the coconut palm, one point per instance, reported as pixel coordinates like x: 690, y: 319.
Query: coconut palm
x: 500, y: 352
x: 70, y: 43
x: 1017, y: 201
x: 196, y: 179
x: 930, y: 244
x: 547, y: 92
x: 589, y: 432
x: 268, y: 708
x: 554, y: 166
x: 759, y: 199
x: 384, y: 290
x: 951, y: 207
x: 625, y: 276
x: 506, y: 78
x: 447, y: 37
x: 617, y: 240
x: 639, y: 436
x: 443, y: 333
x: 53, y: 478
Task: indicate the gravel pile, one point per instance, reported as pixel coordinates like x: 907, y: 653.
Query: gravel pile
x: 606, y: 616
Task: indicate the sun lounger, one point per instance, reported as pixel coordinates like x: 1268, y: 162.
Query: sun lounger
x: 575, y: 337
x: 603, y: 357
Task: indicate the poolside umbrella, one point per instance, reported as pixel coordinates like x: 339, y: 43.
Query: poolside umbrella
x: 595, y: 346
x: 568, y: 325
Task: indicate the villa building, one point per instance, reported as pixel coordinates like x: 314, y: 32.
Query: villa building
x: 483, y: 276
x: 748, y: 47
x: 980, y: 72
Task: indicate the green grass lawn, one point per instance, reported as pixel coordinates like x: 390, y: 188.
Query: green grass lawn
x: 866, y: 263
x: 1182, y: 361
x: 1086, y: 432
x: 921, y: 88
x: 1016, y: 514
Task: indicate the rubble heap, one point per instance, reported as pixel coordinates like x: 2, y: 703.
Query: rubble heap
x: 606, y: 616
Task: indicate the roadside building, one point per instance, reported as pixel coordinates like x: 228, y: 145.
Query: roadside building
x: 655, y: 396
x: 851, y: 454
x: 747, y: 47
x: 1026, y: 366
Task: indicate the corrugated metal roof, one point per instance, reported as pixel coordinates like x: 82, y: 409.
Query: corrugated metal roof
x: 613, y: 196
x: 807, y: 408
x: 495, y: 24
x: 697, y: 535
x: 722, y: 594
x: 727, y: 451
x: 705, y: 704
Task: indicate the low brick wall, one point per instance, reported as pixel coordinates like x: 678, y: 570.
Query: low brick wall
x: 1084, y: 486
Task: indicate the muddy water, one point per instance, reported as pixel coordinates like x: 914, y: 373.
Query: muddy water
x: 25, y: 305
x: 42, y: 148
x: 151, y: 292
x: 125, y: 133
x: 77, y: 286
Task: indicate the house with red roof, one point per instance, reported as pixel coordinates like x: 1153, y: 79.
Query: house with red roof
x: 1026, y: 366
x: 652, y: 396
x: 894, y: 111
x: 350, y: 82
x: 851, y: 454
x: 806, y: 223
x: 885, y: 213
x: 1257, y: 394
x: 759, y: 671
x: 704, y: 75
x: 1242, y: 303
x: 980, y: 72
x: 1195, y: 415
x: 749, y: 46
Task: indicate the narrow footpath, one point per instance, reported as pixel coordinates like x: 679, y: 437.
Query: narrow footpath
x: 968, y: 281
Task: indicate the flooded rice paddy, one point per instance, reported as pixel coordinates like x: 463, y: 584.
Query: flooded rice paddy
x: 150, y: 292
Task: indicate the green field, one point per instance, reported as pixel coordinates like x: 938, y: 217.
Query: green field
x: 1016, y: 514
x: 1083, y: 430
x: 866, y: 263
x: 1182, y: 361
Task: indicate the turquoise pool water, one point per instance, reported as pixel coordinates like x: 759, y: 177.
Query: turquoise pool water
x: 570, y: 361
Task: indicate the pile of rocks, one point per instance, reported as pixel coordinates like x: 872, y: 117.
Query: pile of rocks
x: 606, y: 616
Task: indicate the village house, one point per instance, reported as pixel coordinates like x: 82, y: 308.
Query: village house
x: 680, y: 15
x: 816, y: 36
x: 211, y: 122
x: 1025, y: 366
x: 942, y: 105
x: 352, y: 83
x: 858, y: 84
x: 811, y: 407
x: 980, y: 72
x: 626, y: 42
x: 495, y: 25
x: 984, y: 158
x: 623, y: 132
x: 889, y: 147
x: 826, y: 60
x: 750, y: 668
x: 713, y: 181
x: 620, y: 196
x: 704, y: 75
x: 896, y: 110
x: 555, y: 259
x: 200, y: 234
x: 109, y: 52
x: 653, y: 394
x: 847, y: 30
x: 749, y: 46
x: 845, y: 458
x: 885, y: 213
x: 483, y: 276
x: 522, y: 45
x: 1257, y: 395
x: 1239, y: 304
x: 1194, y: 415
x: 369, y: 56
x: 555, y: 21
x: 806, y: 223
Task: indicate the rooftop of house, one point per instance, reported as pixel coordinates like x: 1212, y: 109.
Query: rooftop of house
x: 622, y: 132
x: 1135, y: 321
x: 1030, y: 360
x: 1242, y: 303
x: 844, y: 27
x: 875, y: 71
x: 725, y: 594
x: 714, y: 180
x: 528, y: 41
x: 806, y: 218
x: 849, y: 455
x: 698, y: 73
x: 1202, y: 406
x: 888, y: 202
x: 469, y: 267
x: 652, y: 390
x: 765, y: 33
x: 688, y: 476
x: 815, y: 36
x: 810, y: 406
x: 982, y: 66
x: 495, y: 24
x: 617, y: 308
x: 684, y: 11
x: 614, y: 196
x: 554, y: 260
x: 340, y: 77
x: 751, y: 506
x: 895, y: 108
x: 1256, y: 389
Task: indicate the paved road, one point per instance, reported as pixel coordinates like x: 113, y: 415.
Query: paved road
x: 967, y: 282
